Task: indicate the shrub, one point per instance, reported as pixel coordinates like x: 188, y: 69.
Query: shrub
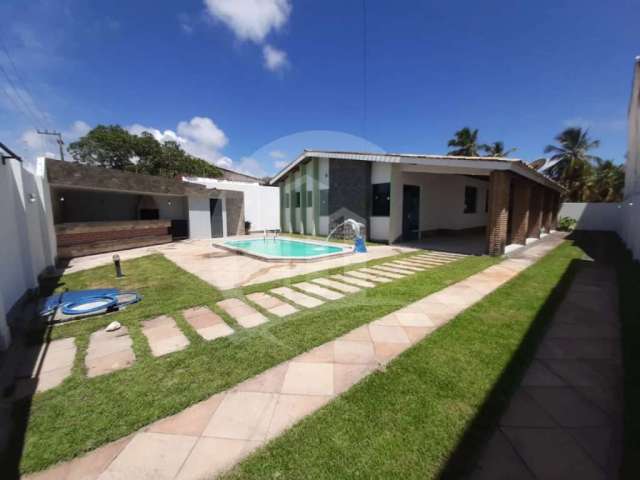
x: 566, y: 224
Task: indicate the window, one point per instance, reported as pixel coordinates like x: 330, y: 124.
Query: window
x: 324, y: 202
x: 470, y: 199
x: 309, y: 199
x: 297, y: 200
x: 380, y: 206
x: 286, y: 200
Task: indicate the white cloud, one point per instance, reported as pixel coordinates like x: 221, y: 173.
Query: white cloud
x: 203, y: 130
x: 277, y: 154
x: 251, y: 166
x: 274, y: 59
x: 280, y: 164
x: 250, y: 19
x: 35, y: 145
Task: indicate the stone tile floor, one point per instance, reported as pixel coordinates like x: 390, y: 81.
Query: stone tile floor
x: 207, y: 324
x: 245, y: 315
x: 164, y: 336
x: 564, y: 421
x: 211, y: 436
x: 109, y: 352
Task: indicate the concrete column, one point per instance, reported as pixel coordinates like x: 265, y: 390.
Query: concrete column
x: 521, y: 207
x: 535, y: 212
x: 499, y: 190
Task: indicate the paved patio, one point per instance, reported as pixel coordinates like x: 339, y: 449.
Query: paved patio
x: 565, y: 420
x: 211, y: 436
x: 225, y: 270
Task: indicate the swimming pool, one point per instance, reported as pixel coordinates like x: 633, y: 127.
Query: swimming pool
x: 283, y: 249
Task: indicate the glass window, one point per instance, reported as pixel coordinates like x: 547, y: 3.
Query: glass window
x: 309, y: 199
x: 381, y: 204
x: 324, y: 202
x: 470, y: 199
x: 297, y: 199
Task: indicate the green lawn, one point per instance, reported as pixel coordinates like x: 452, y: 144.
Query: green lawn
x: 82, y: 413
x: 408, y: 421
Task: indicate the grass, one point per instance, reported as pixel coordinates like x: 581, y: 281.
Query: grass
x: 428, y: 408
x: 83, y: 414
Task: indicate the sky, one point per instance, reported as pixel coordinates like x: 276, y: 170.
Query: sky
x: 248, y: 84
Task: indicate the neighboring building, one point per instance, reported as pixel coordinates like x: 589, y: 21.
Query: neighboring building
x: 630, y: 230
x: 97, y: 209
x: 401, y: 197
x: 261, y: 203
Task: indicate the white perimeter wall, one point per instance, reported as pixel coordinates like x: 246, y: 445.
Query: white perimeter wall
x: 593, y: 216
x: 261, y: 203
x: 630, y: 224
x: 27, y: 239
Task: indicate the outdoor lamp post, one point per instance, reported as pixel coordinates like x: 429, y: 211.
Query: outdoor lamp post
x: 116, y: 262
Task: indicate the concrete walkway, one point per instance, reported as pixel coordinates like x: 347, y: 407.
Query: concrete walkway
x: 565, y: 420
x: 211, y: 436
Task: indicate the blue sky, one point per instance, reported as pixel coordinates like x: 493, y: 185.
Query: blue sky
x: 248, y: 83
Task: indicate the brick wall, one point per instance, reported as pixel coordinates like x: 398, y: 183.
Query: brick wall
x: 521, y: 206
x: 535, y: 214
x: 499, y: 191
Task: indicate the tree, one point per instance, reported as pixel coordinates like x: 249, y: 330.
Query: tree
x: 108, y: 146
x: 496, y: 149
x: 605, y: 183
x: 114, y: 147
x: 572, y: 160
x: 465, y: 142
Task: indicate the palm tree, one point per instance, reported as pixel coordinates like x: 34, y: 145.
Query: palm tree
x: 605, y: 183
x: 496, y: 149
x: 572, y: 160
x: 465, y: 142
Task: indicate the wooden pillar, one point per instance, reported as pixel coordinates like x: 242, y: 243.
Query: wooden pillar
x: 499, y: 190
x: 535, y: 212
x: 521, y: 207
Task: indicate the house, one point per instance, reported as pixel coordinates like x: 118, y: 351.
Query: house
x: 402, y: 197
x: 97, y: 210
x: 630, y: 228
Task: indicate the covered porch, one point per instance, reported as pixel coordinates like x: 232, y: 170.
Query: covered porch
x: 472, y: 207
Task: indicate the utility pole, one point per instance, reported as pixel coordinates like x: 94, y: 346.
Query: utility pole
x: 58, y: 141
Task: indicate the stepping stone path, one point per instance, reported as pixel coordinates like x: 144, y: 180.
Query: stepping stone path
x: 341, y: 287
x: 207, y: 324
x: 108, y: 352
x: 272, y: 304
x: 245, y: 315
x: 297, y: 297
x: 45, y: 366
x: 318, y: 290
x: 366, y: 276
x: 388, y: 268
x: 383, y: 273
x: 354, y: 281
x: 164, y: 336
x: 407, y: 266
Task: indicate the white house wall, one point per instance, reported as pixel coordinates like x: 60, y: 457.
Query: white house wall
x: 199, y: 218
x: 630, y: 216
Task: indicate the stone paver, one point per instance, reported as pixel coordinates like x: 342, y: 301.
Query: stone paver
x: 365, y: 276
x: 341, y: 287
x: 45, y: 366
x: 164, y: 336
x: 318, y: 291
x: 387, y: 267
x: 382, y: 273
x: 353, y: 281
x: 297, y: 297
x: 245, y: 315
x: 108, y: 352
x: 409, y: 265
x: 272, y: 304
x: 206, y: 323
x: 405, y: 266
x: 212, y: 436
x: 565, y: 420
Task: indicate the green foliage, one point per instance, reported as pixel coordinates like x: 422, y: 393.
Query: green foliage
x: 114, y: 147
x: 566, y: 224
x: 466, y: 144
x: 604, y: 183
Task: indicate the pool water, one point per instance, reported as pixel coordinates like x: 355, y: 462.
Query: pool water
x: 283, y: 248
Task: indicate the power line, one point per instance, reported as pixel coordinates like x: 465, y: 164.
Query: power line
x: 59, y: 140
x: 27, y: 108
x: 20, y: 78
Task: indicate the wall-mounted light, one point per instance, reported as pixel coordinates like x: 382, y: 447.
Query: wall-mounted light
x: 31, y: 198
x: 61, y: 198
x: 169, y: 203
x: 631, y: 204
